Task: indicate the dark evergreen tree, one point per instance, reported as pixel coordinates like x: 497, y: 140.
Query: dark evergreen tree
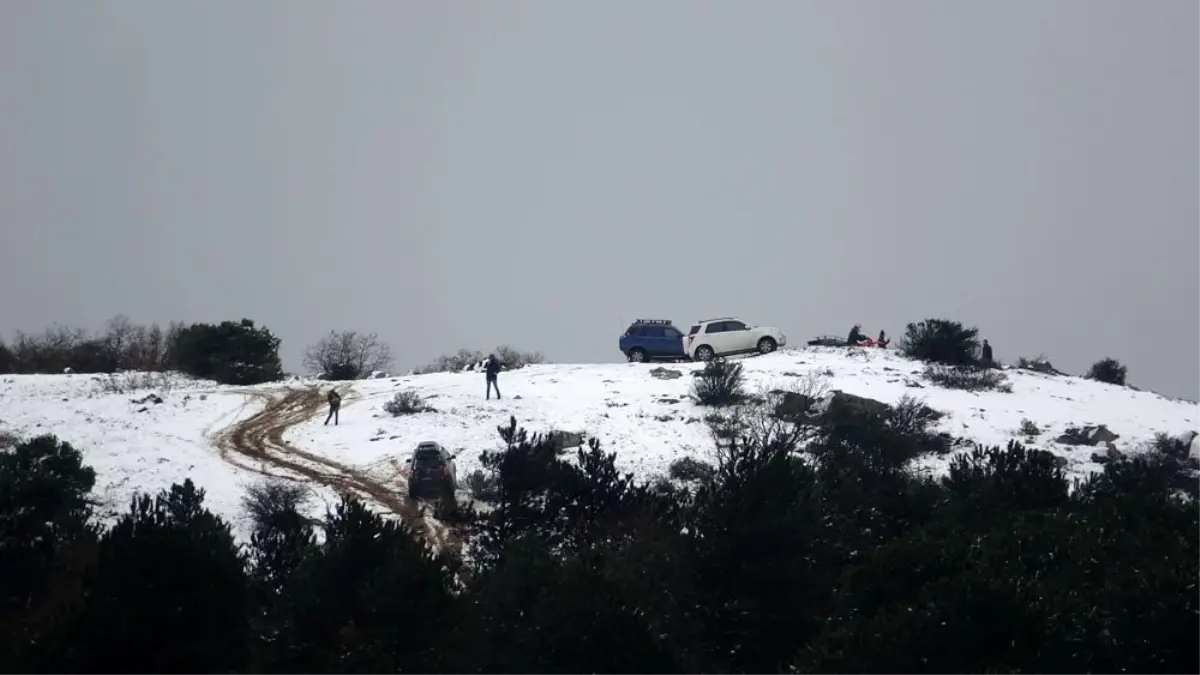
x: 941, y: 341
x: 167, y: 593
x: 230, y: 353
x: 373, y: 598
x: 8, y: 362
x: 45, y: 535
x: 1108, y: 370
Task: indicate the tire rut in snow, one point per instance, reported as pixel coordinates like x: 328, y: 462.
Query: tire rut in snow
x: 257, y: 444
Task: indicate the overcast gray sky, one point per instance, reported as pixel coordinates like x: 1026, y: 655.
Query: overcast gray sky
x: 453, y: 173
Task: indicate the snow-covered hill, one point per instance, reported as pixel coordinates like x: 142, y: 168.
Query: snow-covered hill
x: 648, y: 421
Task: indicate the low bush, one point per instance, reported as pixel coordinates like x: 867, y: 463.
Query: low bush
x: 512, y: 359
x: 406, y: 403
x: 1109, y: 371
x: 267, y: 500
x: 689, y: 469
x: 967, y: 378
x: 1028, y: 428
x: 464, y: 359
x: 1040, y: 365
x: 482, y: 486
x: 719, y: 383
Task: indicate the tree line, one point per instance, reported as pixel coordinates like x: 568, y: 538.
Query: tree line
x: 229, y: 352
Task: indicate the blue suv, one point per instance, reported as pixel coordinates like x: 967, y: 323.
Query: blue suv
x: 652, y: 339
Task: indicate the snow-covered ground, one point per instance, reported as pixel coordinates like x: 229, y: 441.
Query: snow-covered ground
x: 646, y: 420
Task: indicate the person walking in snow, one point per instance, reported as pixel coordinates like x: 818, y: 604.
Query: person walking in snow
x: 987, y: 355
x: 335, y: 404
x: 492, y: 370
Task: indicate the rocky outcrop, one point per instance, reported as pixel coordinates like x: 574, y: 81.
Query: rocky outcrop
x: 566, y: 439
x: 665, y: 373
x: 1089, y: 435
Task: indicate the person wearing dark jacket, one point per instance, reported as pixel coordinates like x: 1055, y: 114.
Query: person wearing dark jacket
x: 856, y: 336
x: 335, y: 404
x: 491, y: 370
x: 987, y: 354
x: 882, y: 342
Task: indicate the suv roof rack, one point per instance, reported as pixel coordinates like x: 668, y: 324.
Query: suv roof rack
x: 719, y: 318
x: 653, y: 322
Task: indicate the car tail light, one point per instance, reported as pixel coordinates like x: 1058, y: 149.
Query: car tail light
x: 691, y: 337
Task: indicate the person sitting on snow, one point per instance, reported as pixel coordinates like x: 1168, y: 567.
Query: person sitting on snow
x: 883, y: 340
x: 856, y: 338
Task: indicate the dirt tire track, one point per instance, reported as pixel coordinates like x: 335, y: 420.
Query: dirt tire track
x: 257, y: 443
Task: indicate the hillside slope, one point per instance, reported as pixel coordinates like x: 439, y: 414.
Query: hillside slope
x: 646, y: 420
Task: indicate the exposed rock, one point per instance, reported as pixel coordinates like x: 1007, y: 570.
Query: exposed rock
x: 1111, y: 454
x: 148, y: 398
x: 1089, y: 435
x: 666, y: 373
x: 791, y: 405
x: 841, y: 403
x: 566, y: 439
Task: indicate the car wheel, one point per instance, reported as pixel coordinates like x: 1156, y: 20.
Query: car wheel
x: 638, y: 356
x: 704, y: 353
x: 766, y: 345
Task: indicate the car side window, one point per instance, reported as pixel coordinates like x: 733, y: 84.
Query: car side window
x: 715, y: 327
x: 735, y: 325
x: 673, y: 334
x: 653, y: 332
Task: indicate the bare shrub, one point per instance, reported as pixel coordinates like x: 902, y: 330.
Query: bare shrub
x: 1028, y: 428
x: 512, y: 358
x: 406, y: 403
x: 347, y: 355
x: 483, y: 486
x: 779, y: 418
x: 912, y: 417
x: 1039, y: 364
x: 451, y: 363
x: 719, y: 383
x: 131, y: 381
x: 123, y: 345
x: 149, y: 347
x: 468, y: 359
x: 269, y: 499
x: 967, y: 378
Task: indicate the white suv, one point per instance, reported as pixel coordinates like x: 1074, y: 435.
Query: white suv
x: 727, y: 335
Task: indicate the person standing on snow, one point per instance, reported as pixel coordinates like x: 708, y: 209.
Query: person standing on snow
x: 987, y: 354
x: 492, y: 370
x: 335, y: 404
